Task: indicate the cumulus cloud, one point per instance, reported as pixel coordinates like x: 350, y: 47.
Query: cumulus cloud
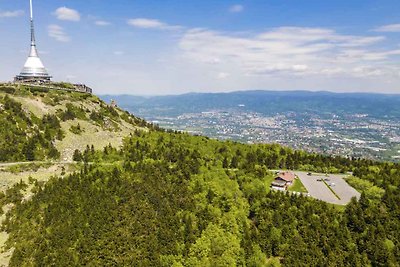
x: 236, y: 8
x: 145, y: 23
x: 102, y: 23
x: 64, y: 13
x: 298, y: 51
x: 58, y: 33
x: 11, y: 14
x: 223, y: 75
x: 388, y: 28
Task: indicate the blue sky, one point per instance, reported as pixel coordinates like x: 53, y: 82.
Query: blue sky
x: 159, y: 47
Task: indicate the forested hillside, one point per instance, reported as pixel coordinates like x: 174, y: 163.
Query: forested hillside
x: 163, y: 198
x: 23, y: 136
x: 41, y: 124
x: 171, y: 199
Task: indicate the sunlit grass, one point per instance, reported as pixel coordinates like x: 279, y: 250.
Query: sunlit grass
x: 298, y: 186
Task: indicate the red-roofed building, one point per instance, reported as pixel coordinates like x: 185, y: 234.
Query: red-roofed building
x: 288, y: 177
x: 283, y: 181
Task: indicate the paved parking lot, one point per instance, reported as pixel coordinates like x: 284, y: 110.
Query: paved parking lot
x: 320, y: 190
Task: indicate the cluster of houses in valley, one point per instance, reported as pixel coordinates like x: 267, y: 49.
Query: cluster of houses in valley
x: 283, y: 180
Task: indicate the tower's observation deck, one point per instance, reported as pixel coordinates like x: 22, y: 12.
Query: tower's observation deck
x: 33, y: 69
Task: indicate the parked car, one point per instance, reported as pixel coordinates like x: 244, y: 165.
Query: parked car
x: 309, y: 174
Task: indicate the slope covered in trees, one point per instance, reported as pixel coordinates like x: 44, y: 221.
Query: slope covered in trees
x: 25, y: 137
x: 171, y: 199
x: 41, y: 124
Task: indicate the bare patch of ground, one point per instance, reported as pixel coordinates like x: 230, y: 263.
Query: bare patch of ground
x: 91, y: 135
x: 34, y: 105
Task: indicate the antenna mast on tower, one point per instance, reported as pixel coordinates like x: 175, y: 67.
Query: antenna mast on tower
x: 33, y: 42
x: 33, y: 69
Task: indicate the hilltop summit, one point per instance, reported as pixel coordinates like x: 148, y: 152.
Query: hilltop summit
x: 51, y: 121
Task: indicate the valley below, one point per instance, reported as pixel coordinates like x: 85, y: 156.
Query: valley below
x: 327, y: 123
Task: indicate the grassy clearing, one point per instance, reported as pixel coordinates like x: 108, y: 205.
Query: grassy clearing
x: 34, y: 105
x: 298, y: 186
x: 9, y: 177
x: 34, y: 166
x: 90, y: 135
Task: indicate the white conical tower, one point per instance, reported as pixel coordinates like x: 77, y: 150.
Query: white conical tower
x: 33, y: 69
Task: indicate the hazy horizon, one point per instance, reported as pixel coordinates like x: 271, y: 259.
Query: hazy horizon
x: 250, y: 90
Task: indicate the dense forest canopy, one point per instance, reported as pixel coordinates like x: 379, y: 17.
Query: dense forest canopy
x: 171, y: 199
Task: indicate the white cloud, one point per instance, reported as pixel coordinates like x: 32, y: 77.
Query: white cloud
x: 236, y: 8
x: 102, y: 23
x: 353, y: 55
x: 58, y: 33
x: 367, y: 71
x: 11, y: 14
x: 223, y: 75
x: 388, y: 28
x: 64, y: 13
x: 307, y: 35
x: 151, y: 24
x: 288, y: 51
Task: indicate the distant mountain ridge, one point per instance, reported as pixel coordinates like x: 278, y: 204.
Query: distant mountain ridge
x: 267, y: 102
